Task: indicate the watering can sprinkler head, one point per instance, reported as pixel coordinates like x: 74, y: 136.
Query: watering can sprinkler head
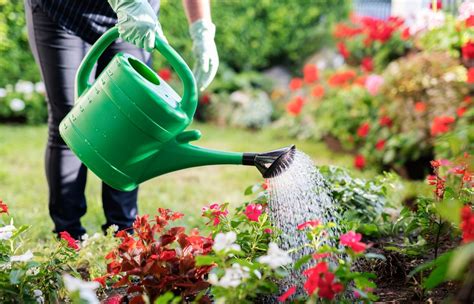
x: 271, y: 163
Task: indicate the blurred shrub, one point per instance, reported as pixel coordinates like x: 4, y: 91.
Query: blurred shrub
x: 23, y: 103
x: 258, y: 34
x: 16, y: 60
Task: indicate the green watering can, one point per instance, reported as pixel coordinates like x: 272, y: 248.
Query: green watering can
x: 128, y: 126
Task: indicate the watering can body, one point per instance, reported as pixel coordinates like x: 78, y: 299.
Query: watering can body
x: 128, y: 125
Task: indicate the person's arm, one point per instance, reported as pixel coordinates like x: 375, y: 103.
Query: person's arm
x: 202, y: 32
x: 197, y: 9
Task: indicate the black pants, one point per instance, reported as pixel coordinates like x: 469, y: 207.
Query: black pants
x: 58, y: 54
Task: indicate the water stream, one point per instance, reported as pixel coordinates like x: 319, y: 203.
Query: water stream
x: 297, y: 195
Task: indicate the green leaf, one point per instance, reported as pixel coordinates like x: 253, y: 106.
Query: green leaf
x: 303, y: 261
x: 461, y: 258
x: 203, y: 260
x: 248, y: 190
x: 167, y: 298
x: 450, y: 210
x: 16, y: 275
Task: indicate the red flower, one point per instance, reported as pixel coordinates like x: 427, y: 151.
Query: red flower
x: 420, y: 107
x: 352, y: 239
x: 470, y: 75
x: 265, y: 185
x: 310, y: 73
x: 312, y: 224
x: 214, y: 213
x: 253, y: 211
x: 296, y: 84
x: 71, y: 242
x: 165, y: 74
x: 467, y: 99
x: 342, y: 31
x: 318, y: 256
x: 114, y: 299
x: 295, y: 106
x: 205, y: 99
x: 318, y: 91
x: 380, y: 144
x: 359, y: 161
x: 343, y: 50
x: 385, y: 121
x: 439, y: 5
x: 461, y: 110
x: 467, y: 224
x: 287, y: 294
x: 470, y: 21
x: 405, y: 34
x: 367, y: 64
x: 468, y: 50
x: 363, y: 130
x: 101, y: 280
x: 341, y: 78
x: 3, y: 207
x: 268, y: 231
x: 441, y: 124
x: 320, y: 279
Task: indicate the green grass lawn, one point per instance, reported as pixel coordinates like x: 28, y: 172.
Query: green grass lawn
x: 23, y: 186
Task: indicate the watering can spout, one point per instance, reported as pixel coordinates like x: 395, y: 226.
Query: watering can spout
x: 180, y: 154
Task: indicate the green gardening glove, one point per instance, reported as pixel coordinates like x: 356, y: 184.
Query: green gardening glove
x: 205, y: 52
x: 137, y: 22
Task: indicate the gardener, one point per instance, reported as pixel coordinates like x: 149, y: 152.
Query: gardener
x: 60, y: 32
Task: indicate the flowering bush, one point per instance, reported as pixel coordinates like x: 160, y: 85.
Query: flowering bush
x: 451, y: 208
x: 372, y: 43
x: 158, y: 258
x: 422, y: 95
x: 32, y: 276
x: 23, y: 102
x: 329, y: 271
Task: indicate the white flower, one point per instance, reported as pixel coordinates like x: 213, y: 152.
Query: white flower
x: 17, y: 104
x: 39, y: 296
x: 40, y: 88
x: 32, y: 271
x: 86, y: 289
x: 466, y: 9
x: 231, y: 278
x: 275, y: 257
x: 6, y: 232
x: 22, y: 258
x: 3, y: 92
x: 24, y: 87
x: 427, y: 19
x: 114, y: 228
x: 225, y: 242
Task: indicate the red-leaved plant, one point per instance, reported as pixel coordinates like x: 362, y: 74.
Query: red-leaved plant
x: 158, y: 258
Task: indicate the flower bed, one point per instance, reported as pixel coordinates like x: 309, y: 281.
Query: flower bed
x: 389, y: 120
x: 236, y: 258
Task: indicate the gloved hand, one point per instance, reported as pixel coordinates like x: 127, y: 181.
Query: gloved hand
x: 205, y: 52
x: 137, y: 22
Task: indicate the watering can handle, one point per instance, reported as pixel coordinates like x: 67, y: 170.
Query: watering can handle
x: 189, y: 99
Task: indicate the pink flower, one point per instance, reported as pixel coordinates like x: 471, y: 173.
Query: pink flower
x: 253, y: 211
x: 268, y: 231
x: 352, y: 239
x: 373, y: 84
x: 312, y: 224
x: 214, y: 213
